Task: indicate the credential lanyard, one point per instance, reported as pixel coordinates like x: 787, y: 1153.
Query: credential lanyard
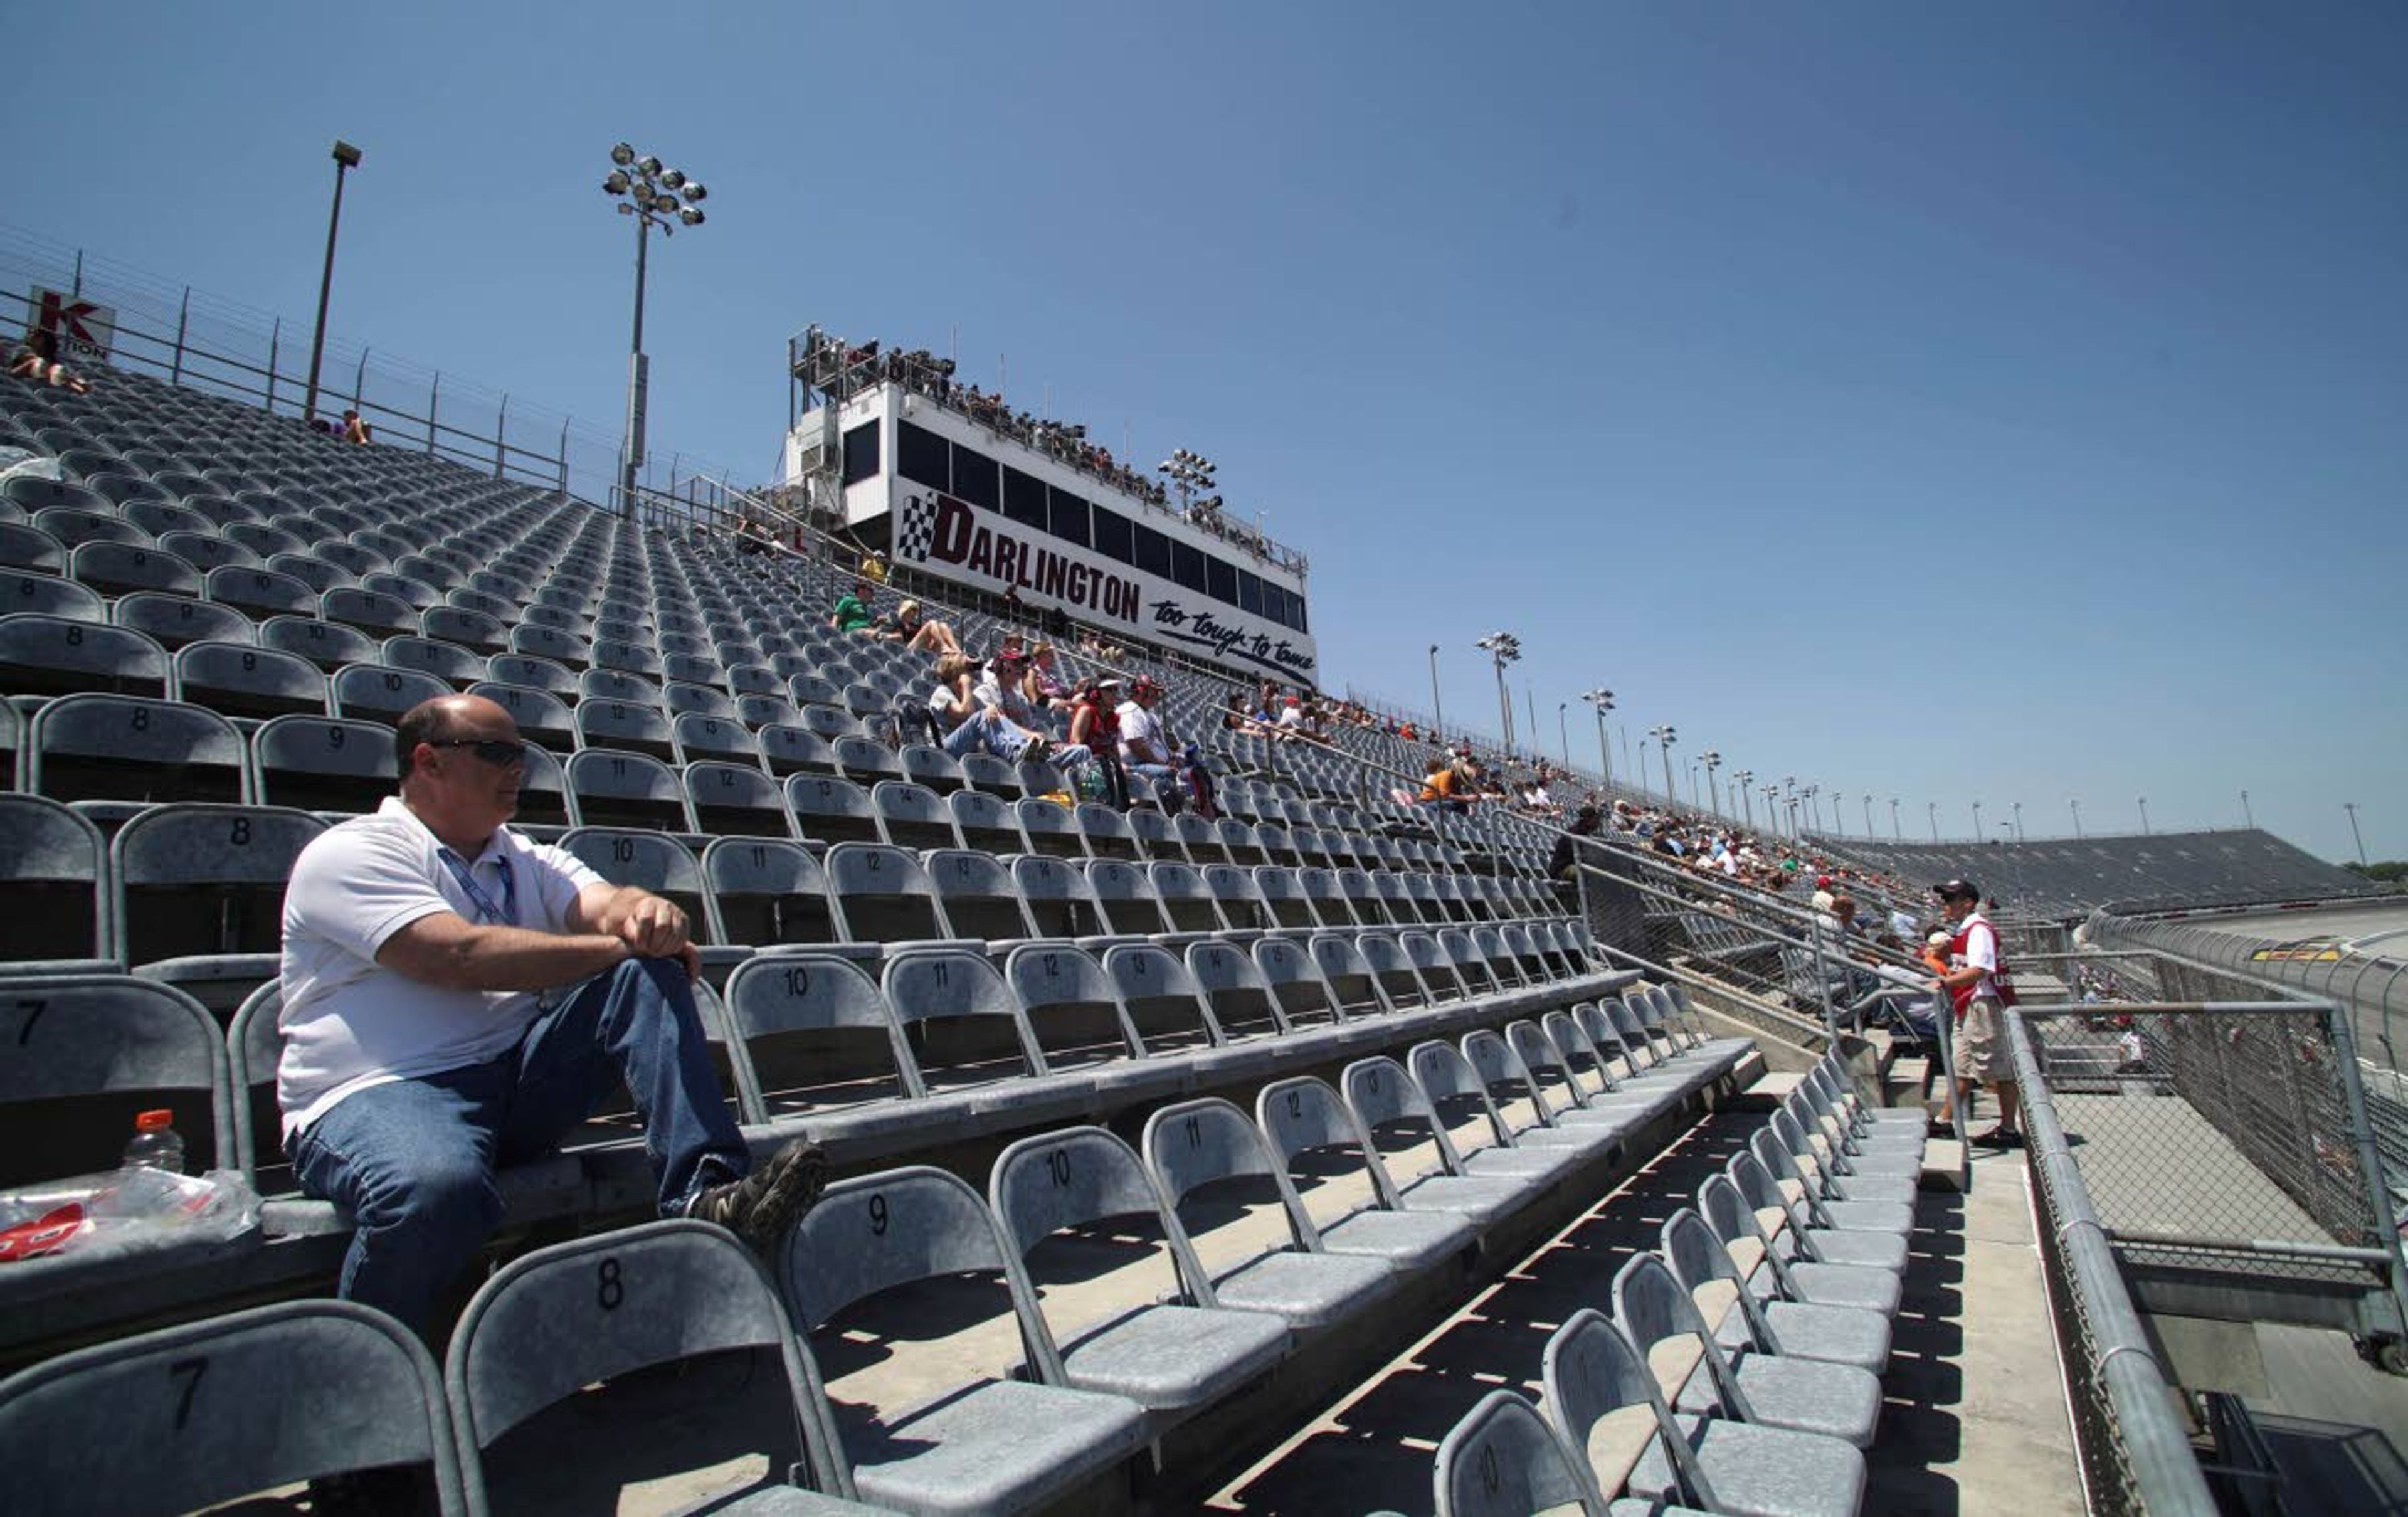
x: 489, y: 913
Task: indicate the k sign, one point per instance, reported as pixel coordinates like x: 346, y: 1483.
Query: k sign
x: 951, y: 537
x: 86, y: 331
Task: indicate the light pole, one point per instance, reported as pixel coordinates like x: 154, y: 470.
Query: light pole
x: 1563, y: 735
x: 2077, y: 819
x: 654, y: 196
x: 1933, y: 808
x: 346, y: 157
x: 2246, y: 820
x: 1503, y: 648
x: 2144, y: 816
x: 1840, y: 813
x: 1602, y: 700
x: 1664, y: 737
x: 1813, y: 807
x: 1713, y: 757
x: 2351, y: 807
x: 2018, y: 806
x: 1771, y: 816
x: 1438, y: 711
x: 1868, y: 815
x: 1188, y: 473
x: 1977, y: 821
x: 1743, y: 781
x: 1896, y: 832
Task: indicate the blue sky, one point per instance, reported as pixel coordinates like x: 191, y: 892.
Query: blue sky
x: 1954, y: 403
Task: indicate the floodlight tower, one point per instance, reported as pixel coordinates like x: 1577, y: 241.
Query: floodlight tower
x: 1664, y: 737
x: 1713, y: 759
x: 1602, y: 699
x: 1743, y: 779
x: 1503, y: 648
x: 655, y: 195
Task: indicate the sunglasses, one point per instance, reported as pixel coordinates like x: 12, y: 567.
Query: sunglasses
x: 501, y: 752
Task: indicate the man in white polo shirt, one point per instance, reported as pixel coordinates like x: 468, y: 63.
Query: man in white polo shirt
x: 456, y: 999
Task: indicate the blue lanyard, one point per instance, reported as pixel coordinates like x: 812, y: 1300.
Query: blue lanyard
x: 504, y: 915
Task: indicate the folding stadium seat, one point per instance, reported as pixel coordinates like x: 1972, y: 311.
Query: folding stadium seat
x: 698, y: 700
x: 380, y: 692
x: 45, y: 655
x: 1107, y: 831
x: 52, y: 888
x: 864, y: 761
x: 1804, y: 1230
x: 1200, y: 840
x: 736, y: 800
x: 316, y: 764
x: 748, y: 679
x: 932, y: 767
x: 1354, y: 987
x: 831, y: 721
x: 115, y: 568
x: 559, y: 646
x: 1340, y: 1188
x: 1173, y: 1359
x: 911, y: 817
x: 350, y: 558
x: 992, y: 776
x: 417, y: 579
x: 454, y: 666
x: 1566, y: 1068
x: 627, y: 655
x: 1241, y: 1000
x: 539, y: 1333
x: 755, y: 710
x: 971, y: 1045
x: 1830, y: 1200
x: 625, y: 728
x: 539, y: 715
x: 974, y: 894
x: 618, y: 685
x: 118, y: 753
x: 208, y: 1382
x: 1502, y: 1459
x: 991, y: 1444
x: 1074, y: 1014
x: 610, y: 788
x: 882, y: 895
x: 483, y: 633
x: 265, y: 539
x: 793, y: 752
x: 1483, y: 1140
x: 1522, y: 1107
x: 311, y: 570
x: 23, y: 547
x: 632, y: 856
x: 1450, y: 964
x: 828, y: 808
x: 1156, y: 837
x: 328, y: 645
x: 696, y: 667
x: 1049, y: 828
x: 1208, y: 1149
x: 260, y: 592
x: 74, y: 527
x: 199, y: 891
x: 1401, y: 980
x: 1124, y: 899
x: 46, y: 595
x: 1408, y: 1133
x: 209, y: 552
x: 1241, y: 842
x: 1770, y: 1277
x: 1698, y: 1377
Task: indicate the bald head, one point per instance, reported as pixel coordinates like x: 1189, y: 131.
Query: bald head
x: 444, y: 719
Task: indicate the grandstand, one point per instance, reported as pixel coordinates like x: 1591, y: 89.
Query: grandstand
x: 1170, y: 1151
x: 2069, y: 878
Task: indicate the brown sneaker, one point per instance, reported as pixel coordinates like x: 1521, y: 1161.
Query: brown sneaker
x: 760, y: 1208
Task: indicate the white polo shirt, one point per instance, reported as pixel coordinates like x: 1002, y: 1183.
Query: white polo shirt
x: 349, y: 1023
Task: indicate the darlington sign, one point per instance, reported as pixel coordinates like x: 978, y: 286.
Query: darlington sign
x: 947, y: 533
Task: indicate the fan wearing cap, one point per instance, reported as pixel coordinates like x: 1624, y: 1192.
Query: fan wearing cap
x: 1096, y: 727
x: 1145, y: 743
x: 1971, y: 984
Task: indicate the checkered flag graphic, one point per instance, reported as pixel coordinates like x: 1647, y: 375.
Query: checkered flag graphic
x: 919, y: 529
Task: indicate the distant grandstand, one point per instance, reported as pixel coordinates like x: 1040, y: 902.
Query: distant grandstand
x: 2068, y: 879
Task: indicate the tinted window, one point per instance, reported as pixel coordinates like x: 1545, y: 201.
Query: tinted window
x: 1153, y: 553
x: 1250, y: 593
x: 861, y: 453
x: 1187, y: 567
x: 920, y: 454
x: 1024, y: 498
x: 1112, y: 535
x: 974, y: 479
x: 1070, y: 517
x: 1221, y: 579
x: 1302, y: 621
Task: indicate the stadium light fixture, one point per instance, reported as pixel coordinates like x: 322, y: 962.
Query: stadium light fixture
x: 1438, y: 709
x: 1503, y: 648
x: 1740, y: 780
x: 1664, y: 737
x: 1932, y: 808
x: 1602, y: 700
x: 653, y: 195
x: 346, y: 159
x: 1977, y: 821
x: 1896, y: 832
x: 2247, y: 818
x: 2356, y: 837
x: 2077, y: 819
x: 2017, y: 807
x: 2144, y: 816
x: 1712, y: 758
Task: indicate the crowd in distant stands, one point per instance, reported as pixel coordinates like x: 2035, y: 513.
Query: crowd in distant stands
x: 837, y: 369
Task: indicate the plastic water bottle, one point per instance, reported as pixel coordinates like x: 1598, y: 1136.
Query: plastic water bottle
x: 155, y: 1144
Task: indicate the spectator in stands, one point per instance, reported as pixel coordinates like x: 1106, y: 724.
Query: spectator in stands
x: 40, y: 361
x: 1146, y: 747
x: 457, y: 999
x: 1441, y: 785
x: 967, y: 723
x: 1057, y: 622
x: 1563, y: 860
x: 1014, y: 609
x: 910, y: 626
x: 1096, y: 727
x: 356, y: 429
x: 1042, y: 686
x: 851, y: 614
x: 873, y: 568
x: 1003, y: 689
x: 1971, y: 984
x: 1823, y: 897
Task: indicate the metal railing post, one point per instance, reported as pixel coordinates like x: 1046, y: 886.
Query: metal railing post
x: 433, y: 403
x: 1823, y: 977
x: 2370, y: 1158
x: 183, y: 318
x: 275, y: 336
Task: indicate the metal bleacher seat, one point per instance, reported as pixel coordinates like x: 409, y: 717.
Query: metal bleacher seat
x: 1698, y: 1377
x: 26, y: 547
x: 52, y: 888
x: 1171, y: 1357
x: 117, y: 568
x: 46, y: 595
x: 260, y: 592
x: 329, y: 644
x: 1049, y: 828
x: 609, y: 724
x: 176, y: 621
x: 975, y: 892
x: 539, y: 715
x: 971, y: 1042
x: 542, y: 1330
x: 882, y: 895
x: 657, y: 863
x: 983, y: 1445
x: 1207, y: 1150
x: 181, y: 1413
x: 199, y: 891
x: 912, y: 816
x: 1502, y: 1459
x: 985, y: 822
x: 1406, y: 1133
x: 766, y: 891
x: 87, y: 1051
x: 1342, y: 1189
x: 831, y: 808
x: 736, y: 800
x: 133, y: 752
x: 56, y: 655
x: 609, y: 788
x: 455, y: 666
x: 380, y: 692
x: 320, y: 763
x: 1867, y: 1287
x: 1592, y: 1372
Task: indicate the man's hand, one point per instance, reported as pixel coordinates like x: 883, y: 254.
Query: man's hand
x: 653, y: 928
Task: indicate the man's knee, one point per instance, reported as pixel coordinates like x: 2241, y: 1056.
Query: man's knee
x: 446, y: 1196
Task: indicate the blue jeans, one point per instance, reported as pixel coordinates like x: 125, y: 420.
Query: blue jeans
x: 413, y: 1160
